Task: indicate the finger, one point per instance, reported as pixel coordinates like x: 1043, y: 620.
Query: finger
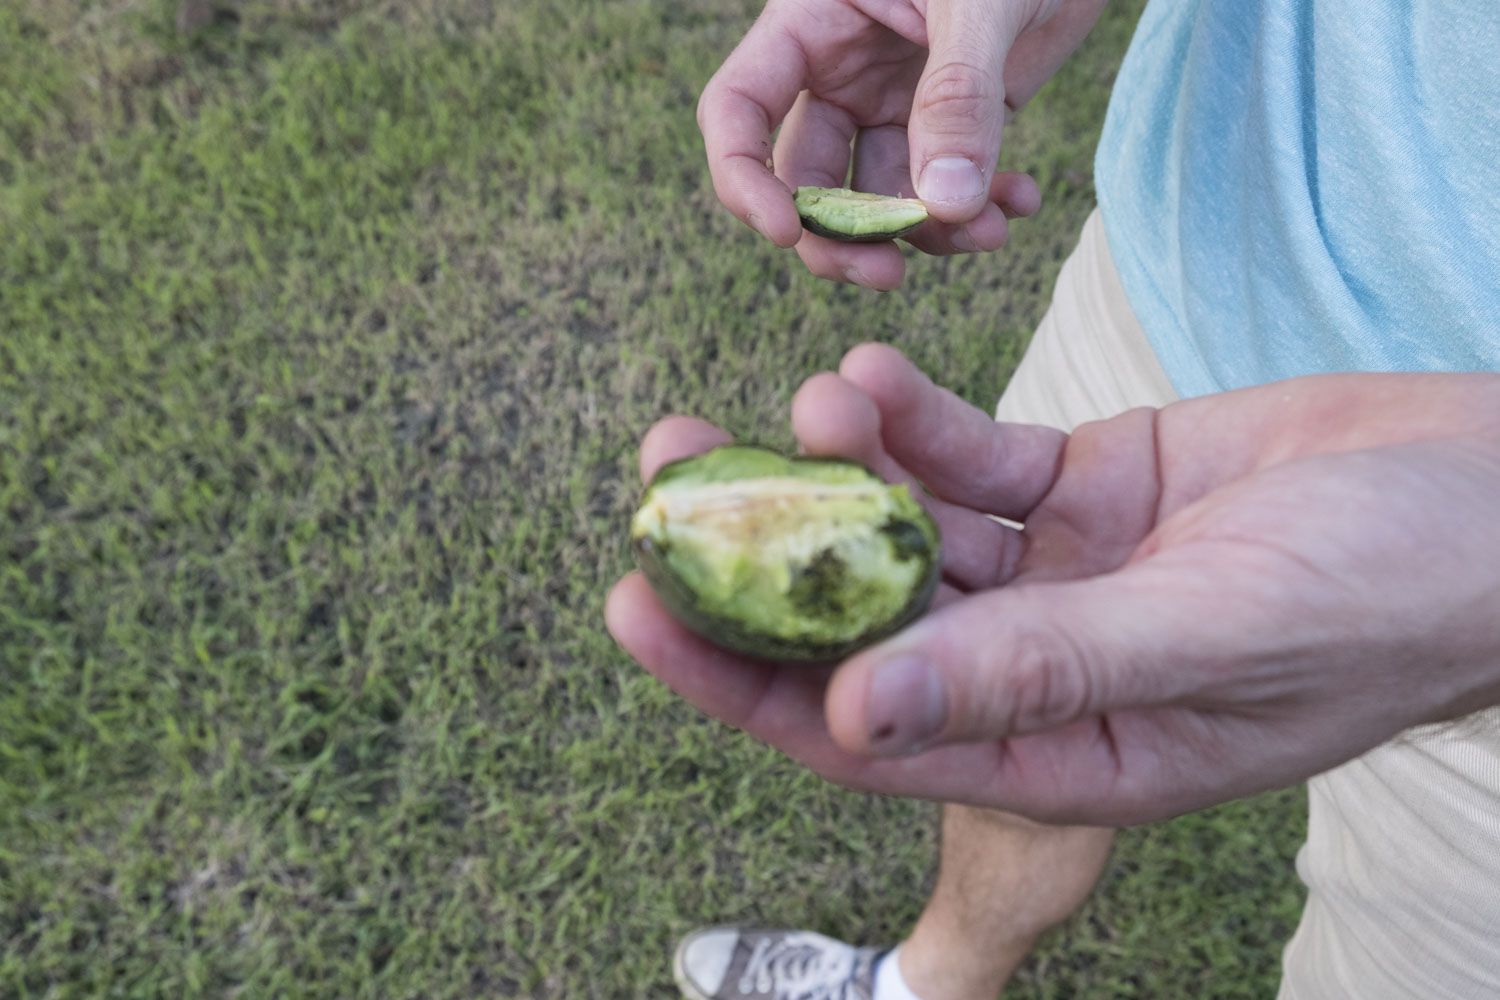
x: 956, y: 118
x: 778, y: 703
x: 1017, y: 194
x: 1044, y: 45
x: 1012, y: 196
x: 677, y: 437
x: 1027, y: 658
x: 988, y: 231
x: 813, y: 149
x: 726, y: 686
x: 783, y: 705
x: 877, y: 266
x: 882, y: 163
x: 831, y: 416
x: 955, y: 449
x: 740, y: 107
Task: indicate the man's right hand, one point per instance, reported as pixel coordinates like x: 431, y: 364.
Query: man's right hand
x: 919, y: 90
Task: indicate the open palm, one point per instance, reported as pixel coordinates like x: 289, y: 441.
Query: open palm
x: 1229, y: 594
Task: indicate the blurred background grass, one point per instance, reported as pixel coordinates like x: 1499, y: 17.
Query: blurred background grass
x: 327, y: 329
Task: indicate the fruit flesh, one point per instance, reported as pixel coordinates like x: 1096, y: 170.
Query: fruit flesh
x: 785, y: 558
x: 857, y: 216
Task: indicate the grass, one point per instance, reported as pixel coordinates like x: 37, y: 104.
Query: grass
x: 326, y: 335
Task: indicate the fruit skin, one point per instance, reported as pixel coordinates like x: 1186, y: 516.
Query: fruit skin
x: 857, y: 216
x: 910, y: 534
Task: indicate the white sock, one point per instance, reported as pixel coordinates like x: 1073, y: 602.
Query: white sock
x: 889, y: 983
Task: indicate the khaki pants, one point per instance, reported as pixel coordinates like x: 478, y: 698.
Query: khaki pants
x: 1402, y: 860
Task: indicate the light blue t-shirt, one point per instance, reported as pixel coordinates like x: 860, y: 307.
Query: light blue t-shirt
x: 1292, y: 187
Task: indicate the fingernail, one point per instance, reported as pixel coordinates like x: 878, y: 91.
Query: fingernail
x: 855, y: 275
x: 756, y: 224
x: 905, y: 706
x: 963, y: 242
x: 950, y: 179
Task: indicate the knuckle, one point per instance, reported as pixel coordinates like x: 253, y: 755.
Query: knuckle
x: 706, y: 99
x: 820, y: 265
x: 932, y: 245
x: 828, y: 770
x: 959, y: 94
x: 1047, y: 681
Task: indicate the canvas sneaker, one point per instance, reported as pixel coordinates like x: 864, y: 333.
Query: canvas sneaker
x: 738, y: 963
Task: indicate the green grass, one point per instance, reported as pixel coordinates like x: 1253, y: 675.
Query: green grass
x: 326, y: 337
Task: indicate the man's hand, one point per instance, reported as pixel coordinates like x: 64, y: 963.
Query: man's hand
x: 1226, y: 595
x: 920, y: 88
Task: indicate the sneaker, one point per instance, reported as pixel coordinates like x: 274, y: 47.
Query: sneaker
x: 735, y: 963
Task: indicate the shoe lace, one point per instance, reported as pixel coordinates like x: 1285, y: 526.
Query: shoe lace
x: 803, y: 967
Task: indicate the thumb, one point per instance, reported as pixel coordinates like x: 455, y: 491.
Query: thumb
x: 1021, y: 659
x: 959, y: 108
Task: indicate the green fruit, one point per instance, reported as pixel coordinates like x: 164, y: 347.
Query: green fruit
x: 857, y: 216
x: 785, y: 558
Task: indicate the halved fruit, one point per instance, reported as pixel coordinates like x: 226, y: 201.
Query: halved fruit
x: 785, y: 558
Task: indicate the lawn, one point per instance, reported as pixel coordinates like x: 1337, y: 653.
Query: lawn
x: 326, y: 336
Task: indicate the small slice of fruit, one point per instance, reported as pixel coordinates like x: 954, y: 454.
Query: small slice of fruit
x: 857, y: 216
x: 785, y: 558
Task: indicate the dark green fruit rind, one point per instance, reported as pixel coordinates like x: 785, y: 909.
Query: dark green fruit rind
x: 818, y: 229
x: 857, y: 216
x: 905, y: 533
